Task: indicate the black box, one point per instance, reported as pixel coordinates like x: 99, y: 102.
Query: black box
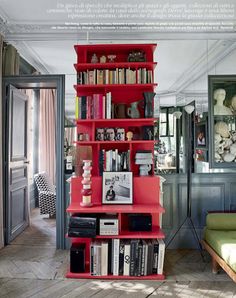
x: 81, y: 232
x: 83, y: 222
x: 77, y: 258
x: 140, y: 222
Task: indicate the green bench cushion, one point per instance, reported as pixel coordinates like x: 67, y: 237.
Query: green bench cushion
x: 224, y: 244
x: 221, y: 221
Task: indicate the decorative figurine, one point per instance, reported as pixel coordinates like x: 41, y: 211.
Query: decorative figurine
x: 133, y: 111
x: 94, y: 59
x: 111, y: 58
x: 86, y: 181
x: 103, y: 59
x: 148, y: 104
x: 129, y: 135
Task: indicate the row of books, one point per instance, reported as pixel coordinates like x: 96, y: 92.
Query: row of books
x: 95, y: 106
x: 133, y: 257
x: 116, y: 76
x: 114, y: 161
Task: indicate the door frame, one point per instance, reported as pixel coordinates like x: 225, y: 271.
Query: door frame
x: 44, y: 82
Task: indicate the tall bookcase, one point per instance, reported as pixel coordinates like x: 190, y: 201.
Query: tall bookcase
x: 104, y: 85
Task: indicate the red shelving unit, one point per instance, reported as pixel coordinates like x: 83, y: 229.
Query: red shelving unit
x: 146, y: 189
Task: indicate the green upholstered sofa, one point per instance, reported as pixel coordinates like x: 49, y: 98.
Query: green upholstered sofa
x: 220, y: 241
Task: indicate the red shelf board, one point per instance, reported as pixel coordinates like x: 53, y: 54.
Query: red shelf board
x: 115, y: 142
x: 85, y: 66
x: 114, y: 47
x: 97, y: 208
x: 156, y: 234
x: 111, y: 86
x: 89, y: 276
x: 118, y: 120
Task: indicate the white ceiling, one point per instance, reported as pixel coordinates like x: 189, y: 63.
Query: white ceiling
x: 45, y: 32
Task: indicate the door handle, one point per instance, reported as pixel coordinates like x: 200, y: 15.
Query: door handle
x: 27, y: 161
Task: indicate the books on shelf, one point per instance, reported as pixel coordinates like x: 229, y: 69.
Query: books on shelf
x: 114, y: 161
x: 95, y: 106
x: 115, y: 76
x: 133, y: 257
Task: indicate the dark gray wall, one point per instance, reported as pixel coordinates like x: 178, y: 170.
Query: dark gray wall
x: 209, y: 192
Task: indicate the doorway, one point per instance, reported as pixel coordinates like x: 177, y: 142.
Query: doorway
x: 56, y: 82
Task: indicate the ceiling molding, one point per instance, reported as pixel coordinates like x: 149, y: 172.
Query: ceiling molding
x: 217, y: 52
x: 32, y: 57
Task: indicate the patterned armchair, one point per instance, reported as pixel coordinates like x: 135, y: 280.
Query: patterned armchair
x: 47, y: 194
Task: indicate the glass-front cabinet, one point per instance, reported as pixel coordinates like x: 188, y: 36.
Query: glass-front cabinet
x: 222, y: 120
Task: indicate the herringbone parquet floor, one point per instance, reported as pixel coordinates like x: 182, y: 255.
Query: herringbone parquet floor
x: 32, y: 267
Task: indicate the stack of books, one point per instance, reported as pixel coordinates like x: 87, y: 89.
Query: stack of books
x: 144, y: 157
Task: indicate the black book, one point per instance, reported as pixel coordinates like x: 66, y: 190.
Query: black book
x: 150, y: 258
x: 121, y: 258
x: 133, y: 254
x: 83, y: 106
x: 155, y: 256
x: 140, y: 253
x: 110, y: 271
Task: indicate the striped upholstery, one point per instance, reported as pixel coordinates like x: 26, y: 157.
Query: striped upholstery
x: 47, y: 194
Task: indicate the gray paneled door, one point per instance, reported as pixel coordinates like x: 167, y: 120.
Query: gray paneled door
x: 17, y: 215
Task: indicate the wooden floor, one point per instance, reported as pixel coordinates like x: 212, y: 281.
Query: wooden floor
x: 32, y: 267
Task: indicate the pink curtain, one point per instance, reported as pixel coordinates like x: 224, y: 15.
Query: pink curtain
x: 47, y: 133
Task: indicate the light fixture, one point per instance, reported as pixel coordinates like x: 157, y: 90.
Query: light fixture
x: 177, y: 114
x: 189, y: 109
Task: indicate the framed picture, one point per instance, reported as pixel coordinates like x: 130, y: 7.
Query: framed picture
x: 201, y: 135
x: 117, y: 188
x: 201, y: 155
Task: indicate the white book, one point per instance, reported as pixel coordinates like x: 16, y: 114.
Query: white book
x: 126, y: 259
x: 143, y: 155
x: 104, y: 258
x: 161, y: 256
x: 116, y: 252
x: 145, y: 246
x: 143, y: 161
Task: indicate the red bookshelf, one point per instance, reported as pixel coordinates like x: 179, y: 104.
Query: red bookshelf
x: 96, y: 104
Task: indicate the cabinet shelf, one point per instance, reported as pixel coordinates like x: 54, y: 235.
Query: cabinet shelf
x: 83, y: 88
x: 156, y: 233
x: 131, y: 121
x: 87, y: 275
x: 87, y: 143
x: 98, y: 208
x: 132, y: 65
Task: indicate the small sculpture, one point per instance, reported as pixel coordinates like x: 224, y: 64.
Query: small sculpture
x: 94, y: 59
x: 219, y: 107
x: 111, y: 58
x: 103, y: 59
x: 86, y: 181
x: 148, y: 104
x: 133, y: 111
x: 222, y: 129
x: 136, y: 56
x: 129, y: 135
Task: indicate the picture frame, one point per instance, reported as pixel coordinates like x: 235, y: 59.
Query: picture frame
x: 201, y: 136
x: 201, y: 155
x: 117, y: 188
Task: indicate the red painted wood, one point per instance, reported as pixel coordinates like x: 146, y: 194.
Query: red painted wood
x: 155, y: 234
x: 145, y: 189
x: 132, y: 65
x: 87, y: 275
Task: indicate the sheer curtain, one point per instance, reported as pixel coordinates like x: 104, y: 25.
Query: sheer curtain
x: 11, y: 61
x: 1, y: 192
x: 47, y: 132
